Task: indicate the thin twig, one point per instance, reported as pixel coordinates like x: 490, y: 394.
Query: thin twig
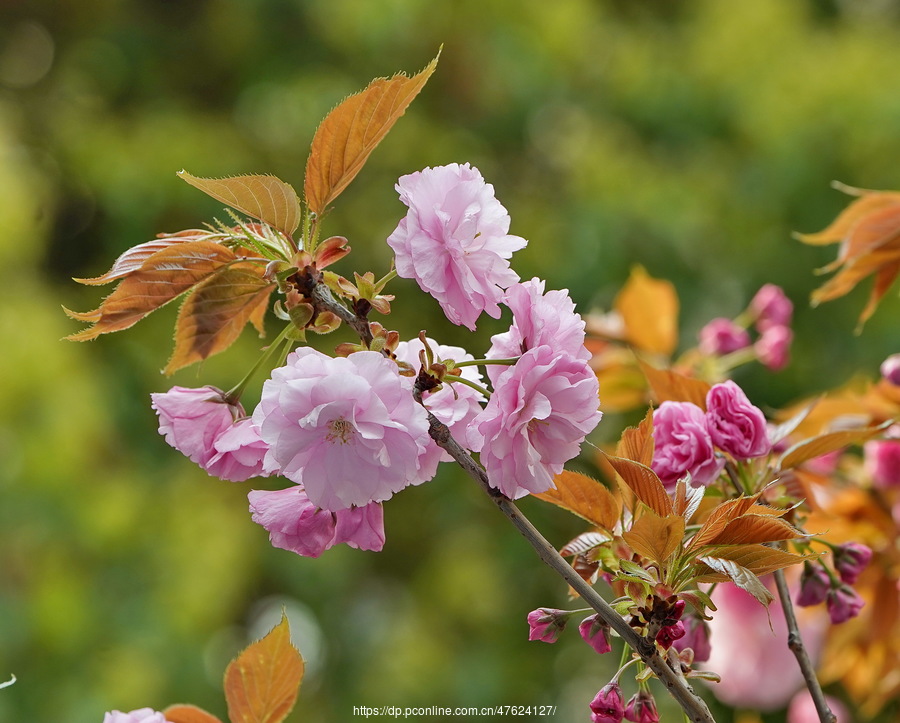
x: 795, y: 643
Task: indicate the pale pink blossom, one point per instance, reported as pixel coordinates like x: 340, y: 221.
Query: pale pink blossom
x: 771, y: 307
x: 192, y: 420
x: 735, y: 425
x: 537, y: 417
x: 538, y: 319
x: 345, y: 428
x: 296, y: 524
x: 142, y: 715
x: 774, y: 346
x: 683, y: 445
x: 757, y: 668
x: 454, y: 404
x: 723, y: 336
x: 240, y: 452
x: 882, y: 462
x: 454, y: 241
x: 890, y: 369
x: 803, y: 709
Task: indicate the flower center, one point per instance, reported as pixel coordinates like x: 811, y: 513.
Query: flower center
x: 340, y: 430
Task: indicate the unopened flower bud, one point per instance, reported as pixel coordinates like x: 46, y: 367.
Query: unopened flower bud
x: 545, y: 624
x: 669, y: 634
x: 890, y: 369
x: 723, y: 336
x: 771, y: 307
x: 882, y: 462
x: 843, y: 603
x: 608, y: 706
x: 696, y: 637
x: 595, y: 633
x: 850, y: 560
x: 814, y: 585
x: 642, y: 708
x: 774, y: 346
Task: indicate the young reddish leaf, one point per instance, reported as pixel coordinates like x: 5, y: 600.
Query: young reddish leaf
x: 215, y: 313
x: 670, y: 386
x: 134, y: 258
x: 644, y: 482
x: 825, y: 443
x: 655, y: 537
x: 351, y: 132
x: 261, y: 684
x: 585, y: 497
x: 748, y: 529
x: 649, y: 309
x: 637, y: 442
x: 740, y: 576
x: 267, y: 198
x: 188, y: 714
x: 583, y: 543
x: 759, y: 559
x: 162, y: 277
x: 719, y: 518
x: 687, y: 499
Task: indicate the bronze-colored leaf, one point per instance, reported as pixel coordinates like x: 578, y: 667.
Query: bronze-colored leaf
x: 162, y: 277
x: 759, y: 559
x: 649, y: 310
x: 825, y: 443
x: 637, y: 442
x: 719, y: 518
x: 740, y: 576
x: 584, y: 542
x: 644, y: 482
x: 749, y: 529
x: 670, y: 386
x: 866, y: 203
x: 215, y: 313
x: 655, y: 537
x: 267, y: 198
x: 182, y: 713
x: 261, y: 684
x: 585, y: 497
x: 350, y: 132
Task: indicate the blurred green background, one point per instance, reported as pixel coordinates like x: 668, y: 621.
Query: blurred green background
x: 690, y: 137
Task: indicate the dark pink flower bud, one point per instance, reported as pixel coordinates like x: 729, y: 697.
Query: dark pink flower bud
x: 669, y: 634
x: 850, y: 560
x: 814, y: 585
x: 771, y: 307
x: 723, y: 336
x: 774, y: 347
x: 843, y: 603
x: 608, y: 706
x: 696, y: 637
x: 545, y: 624
x: 677, y: 609
x: 642, y: 708
x: 890, y: 369
x: 882, y: 462
x: 683, y: 445
x: 735, y: 425
x: 595, y: 633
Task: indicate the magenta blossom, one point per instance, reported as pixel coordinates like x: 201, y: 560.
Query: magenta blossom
x: 890, y: 369
x: 539, y: 414
x: 723, y: 336
x: 668, y: 634
x: 595, y: 633
x: 538, y: 319
x: 683, y: 445
x: 850, y: 560
x: 347, y: 429
x: 882, y: 462
x: 696, y: 637
x: 774, y: 346
x: 843, y: 603
x: 734, y: 424
x: 192, y: 420
x: 608, y: 706
x: 815, y: 582
x: 771, y: 307
x: 142, y: 715
x: 545, y: 624
x: 296, y: 524
x: 642, y: 708
x: 240, y: 452
x: 454, y: 241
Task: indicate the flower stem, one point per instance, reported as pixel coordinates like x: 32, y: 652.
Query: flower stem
x: 795, y: 643
x: 469, y: 383
x: 233, y: 395
x: 479, y: 362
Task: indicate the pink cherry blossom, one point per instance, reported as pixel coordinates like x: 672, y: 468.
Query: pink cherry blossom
x: 723, y: 336
x: 296, y: 524
x: 192, y: 420
x: 595, y: 633
x: 539, y: 414
x: 734, y: 424
x: 608, y: 706
x: 843, y: 603
x: 814, y: 585
x: 803, y: 709
x: 850, y: 560
x: 454, y: 241
x: 347, y: 429
x: 454, y: 404
x: 545, y: 624
x: 696, y: 637
x: 142, y: 715
x: 683, y: 445
x: 771, y: 307
x: 538, y: 319
x: 641, y: 708
x: 882, y: 462
x: 890, y: 369
x: 774, y: 346
x: 240, y: 452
